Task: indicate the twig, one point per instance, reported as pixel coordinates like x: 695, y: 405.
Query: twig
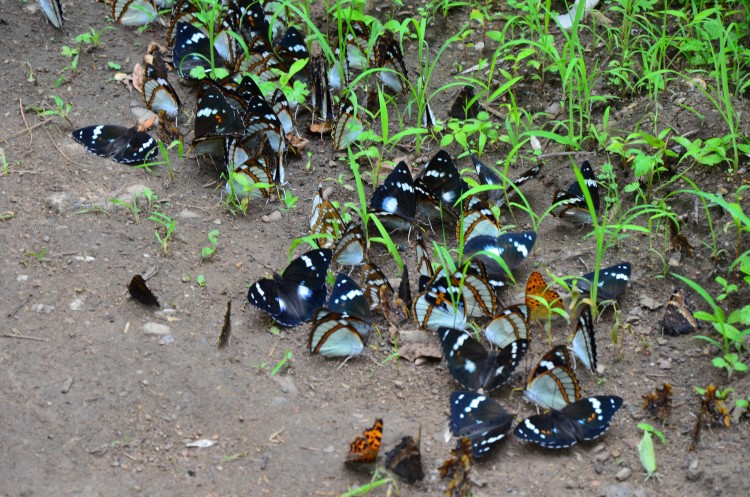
x: 23, y: 116
x: 23, y: 337
x: 61, y: 152
x: 18, y: 308
x: 26, y: 130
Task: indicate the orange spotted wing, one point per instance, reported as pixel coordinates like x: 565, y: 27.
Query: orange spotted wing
x: 365, y: 449
x: 537, y: 293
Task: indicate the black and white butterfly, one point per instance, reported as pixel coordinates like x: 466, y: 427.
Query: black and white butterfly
x: 292, y: 297
x: 341, y: 329
x: 612, y: 281
x: 261, y: 120
x: 477, y: 219
x: 133, y: 12
x: 215, y: 118
x: 439, y: 180
x: 292, y: 47
x: 512, y: 248
x: 584, y: 340
x: 473, y: 366
x: 158, y: 93
x: 394, y: 202
x: 581, y: 421
x: 571, y: 205
x: 552, y: 384
x: 182, y: 11
x: 53, y: 10
x: 489, y: 177
x: 473, y: 284
x: 192, y: 49
x: 248, y: 176
x: 124, y: 145
x: 510, y: 325
x: 325, y: 221
x: 480, y: 419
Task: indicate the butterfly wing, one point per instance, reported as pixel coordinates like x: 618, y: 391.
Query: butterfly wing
x: 347, y: 298
x: 334, y: 335
x: 511, y: 324
x: 480, y: 419
x: 350, y: 248
x: 372, y: 281
x: 134, y: 147
x: 365, y: 449
x: 612, y: 281
x: 584, y: 341
x: 552, y: 384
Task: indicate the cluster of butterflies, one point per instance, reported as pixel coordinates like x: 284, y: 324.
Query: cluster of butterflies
x: 241, y: 108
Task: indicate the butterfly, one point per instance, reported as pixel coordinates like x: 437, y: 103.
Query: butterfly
x: 261, y: 120
x: 510, y: 325
x: 192, y: 49
x: 584, y: 341
x: 489, y: 177
x: 440, y: 179
x: 438, y: 307
x: 158, y: 93
x: 480, y: 419
x: 347, y: 127
x: 612, y: 281
x: 350, y: 248
x: 537, y: 295
x: 380, y: 294
x: 465, y: 106
x: 473, y: 366
x: 182, y: 11
x: 141, y: 292
x: 248, y: 176
x: 581, y: 421
x: 321, y: 100
x: 341, y: 329
x: 511, y: 248
x: 571, y: 205
x: 390, y: 59
x: 124, y: 145
x: 678, y: 316
x: 428, y: 117
x: 215, y: 118
x: 405, y: 460
x: 552, y: 384
x: 226, y: 328
x: 356, y: 55
x: 133, y: 12
x: 365, y: 449
x: 325, y: 221
x: 53, y: 10
x: 394, y: 202
x: 404, y: 288
x: 477, y: 219
x: 292, y: 297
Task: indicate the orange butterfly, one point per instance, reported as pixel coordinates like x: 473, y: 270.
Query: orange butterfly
x: 365, y: 449
x: 536, y: 292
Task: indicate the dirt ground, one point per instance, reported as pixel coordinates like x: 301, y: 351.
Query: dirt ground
x: 95, y: 405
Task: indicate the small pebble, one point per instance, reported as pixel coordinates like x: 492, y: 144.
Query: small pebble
x: 152, y: 328
x: 623, y: 474
x: 601, y: 456
x: 166, y: 340
x: 272, y: 217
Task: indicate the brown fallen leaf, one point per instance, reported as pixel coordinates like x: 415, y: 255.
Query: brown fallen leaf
x: 139, y: 76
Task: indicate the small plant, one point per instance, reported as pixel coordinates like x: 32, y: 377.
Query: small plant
x: 201, y: 280
x: 646, y: 449
x: 290, y: 201
x: 4, y: 160
x: 58, y: 108
x: 114, y: 65
x: 283, y: 363
x: 209, y: 252
x: 40, y: 256
x: 169, y: 225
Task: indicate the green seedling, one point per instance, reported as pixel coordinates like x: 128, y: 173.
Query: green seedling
x: 57, y: 108
x: 290, y: 201
x: 169, y: 225
x: 40, y: 256
x: 114, y: 65
x: 646, y: 450
x: 284, y: 363
x: 201, y: 280
x: 209, y: 252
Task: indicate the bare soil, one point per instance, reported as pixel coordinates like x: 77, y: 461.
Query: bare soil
x: 95, y: 406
